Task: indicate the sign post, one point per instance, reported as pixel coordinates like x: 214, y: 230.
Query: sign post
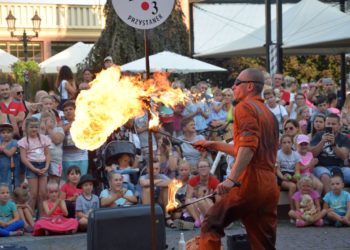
x: 145, y: 15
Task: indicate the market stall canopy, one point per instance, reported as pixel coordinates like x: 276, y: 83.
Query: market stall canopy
x: 309, y: 27
x: 171, y: 62
x: 6, y: 61
x: 71, y: 57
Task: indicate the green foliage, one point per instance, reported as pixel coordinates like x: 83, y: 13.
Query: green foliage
x: 32, y: 67
x: 126, y: 44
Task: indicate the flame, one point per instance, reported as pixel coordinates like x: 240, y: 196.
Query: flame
x: 173, y: 186
x: 113, y: 99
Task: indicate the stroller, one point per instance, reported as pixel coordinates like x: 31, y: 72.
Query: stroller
x: 107, y: 155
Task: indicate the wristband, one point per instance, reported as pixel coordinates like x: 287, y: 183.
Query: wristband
x: 235, y: 183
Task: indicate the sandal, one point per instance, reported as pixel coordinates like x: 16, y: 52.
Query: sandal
x: 169, y: 222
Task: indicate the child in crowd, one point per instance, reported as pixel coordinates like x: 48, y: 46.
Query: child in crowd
x: 303, y: 117
x: 8, y: 148
x: 305, y: 186
x: 35, y: 155
x: 55, y: 209
x: 10, y: 223
x: 21, y: 197
x: 287, y: 161
x: 70, y: 191
x: 86, y: 202
x: 337, y: 203
x: 116, y: 195
x: 307, y: 161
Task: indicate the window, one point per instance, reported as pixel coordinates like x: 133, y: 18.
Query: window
x: 16, y: 49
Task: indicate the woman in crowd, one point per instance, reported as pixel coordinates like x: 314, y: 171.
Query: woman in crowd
x: 198, y: 186
x: 65, y: 84
x: 317, y: 125
x: 192, y: 155
x: 88, y: 76
x: 291, y: 128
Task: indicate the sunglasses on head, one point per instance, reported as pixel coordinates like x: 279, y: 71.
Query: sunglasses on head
x: 239, y: 82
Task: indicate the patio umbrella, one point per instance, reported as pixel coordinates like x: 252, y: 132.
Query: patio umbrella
x: 171, y: 62
x: 71, y: 57
x: 6, y: 61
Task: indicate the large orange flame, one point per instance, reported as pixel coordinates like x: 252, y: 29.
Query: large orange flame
x: 173, y: 186
x: 112, y: 100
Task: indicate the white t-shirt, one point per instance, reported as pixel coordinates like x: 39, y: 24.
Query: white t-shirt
x: 287, y: 162
x: 279, y: 111
x: 64, y: 94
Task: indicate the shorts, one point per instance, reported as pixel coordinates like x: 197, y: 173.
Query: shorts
x: 320, y: 170
x: 38, y: 165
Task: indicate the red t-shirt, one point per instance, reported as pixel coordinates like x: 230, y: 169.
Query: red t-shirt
x: 70, y: 190
x: 285, y: 96
x: 213, y: 182
x: 13, y: 108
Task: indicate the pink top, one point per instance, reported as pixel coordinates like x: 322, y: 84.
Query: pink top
x: 70, y: 190
x: 35, y: 147
x: 58, y: 211
x: 297, y: 195
x: 305, y: 160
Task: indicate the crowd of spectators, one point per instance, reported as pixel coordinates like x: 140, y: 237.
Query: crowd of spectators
x: 50, y: 186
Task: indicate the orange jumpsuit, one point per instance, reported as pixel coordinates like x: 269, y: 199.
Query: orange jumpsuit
x: 255, y: 202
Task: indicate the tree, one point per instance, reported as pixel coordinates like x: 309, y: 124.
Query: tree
x: 126, y: 44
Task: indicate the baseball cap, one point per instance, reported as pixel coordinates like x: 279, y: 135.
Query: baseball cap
x: 6, y: 126
x: 303, y: 138
x: 108, y: 58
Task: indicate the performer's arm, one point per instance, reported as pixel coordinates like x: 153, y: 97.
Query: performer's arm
x: 243, y: 158
x: 214, y: 145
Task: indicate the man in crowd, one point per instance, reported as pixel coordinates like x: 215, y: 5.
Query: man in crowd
x: 278, y: 84
x: 331, y: 147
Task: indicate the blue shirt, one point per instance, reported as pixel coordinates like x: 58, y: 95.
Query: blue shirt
x: 337, y: 202
x: 199, y: 120
x: 6, y: 211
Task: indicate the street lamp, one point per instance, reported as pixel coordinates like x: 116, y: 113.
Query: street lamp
x: 36, y: 20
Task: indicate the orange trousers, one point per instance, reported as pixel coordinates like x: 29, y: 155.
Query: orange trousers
x: 254, y: 203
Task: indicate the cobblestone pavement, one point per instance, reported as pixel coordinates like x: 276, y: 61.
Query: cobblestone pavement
x: 288, y: 238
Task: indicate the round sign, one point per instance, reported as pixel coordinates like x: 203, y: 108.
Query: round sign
x: 143, y: 14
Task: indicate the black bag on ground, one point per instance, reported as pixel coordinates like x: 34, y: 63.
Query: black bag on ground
x: 238, y: 242
x: 124, y: 228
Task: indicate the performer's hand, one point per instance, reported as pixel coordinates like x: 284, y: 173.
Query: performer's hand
x: 203, y: 145
x: 224, y: 187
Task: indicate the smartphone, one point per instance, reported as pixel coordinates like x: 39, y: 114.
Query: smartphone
x: 329, y: 130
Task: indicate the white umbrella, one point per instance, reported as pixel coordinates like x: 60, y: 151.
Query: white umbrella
x: 6, y: 61
x: 171, y: 62
x: 71, y: 57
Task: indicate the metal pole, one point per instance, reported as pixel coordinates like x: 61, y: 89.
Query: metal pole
x: 342, y: 65
x: 279, y: 36
x: 150, y: 159
x: 267, y: 33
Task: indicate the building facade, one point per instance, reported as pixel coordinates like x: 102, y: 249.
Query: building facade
x: 63, y: 23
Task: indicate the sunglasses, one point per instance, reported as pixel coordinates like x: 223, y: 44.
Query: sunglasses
x: 288, y: 128
x: 53, y: 191
x: 239, y: 82
x: 20, y: 92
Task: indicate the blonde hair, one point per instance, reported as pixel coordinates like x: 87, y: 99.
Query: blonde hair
x: 48, y: 114
x: 300, y: 112
x: 304, y: 179
x: 52, y: 185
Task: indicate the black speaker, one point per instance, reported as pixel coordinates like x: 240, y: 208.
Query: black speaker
x: 238, y: 242
x: 124, y: 228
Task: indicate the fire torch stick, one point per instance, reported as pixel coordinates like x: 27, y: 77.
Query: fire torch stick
x: 236, y: 184
x: 171, y: 137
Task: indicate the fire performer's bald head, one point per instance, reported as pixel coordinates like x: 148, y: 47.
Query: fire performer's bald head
x: 250, y: 82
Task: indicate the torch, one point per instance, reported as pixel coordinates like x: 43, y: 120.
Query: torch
x: 176, y: 209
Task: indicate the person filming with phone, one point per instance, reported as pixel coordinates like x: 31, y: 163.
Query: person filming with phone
x: 331, y: 147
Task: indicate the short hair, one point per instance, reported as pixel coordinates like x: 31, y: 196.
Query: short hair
x: 285, y: 136
x: 5, y: 83
x: 69, y: 103
x: 292, y: 121
x: 112, y: 173
x: 227, y: 90
x: 331, y: 97
x: 333, y: 115
x: 186, y: 121
x: 320, y: 99
x: 269, y: 92
x: 257, y: 76
x: 3, y: 184
x: 52, y: 185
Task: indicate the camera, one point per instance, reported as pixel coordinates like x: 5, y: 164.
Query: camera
x: 329, y: 130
